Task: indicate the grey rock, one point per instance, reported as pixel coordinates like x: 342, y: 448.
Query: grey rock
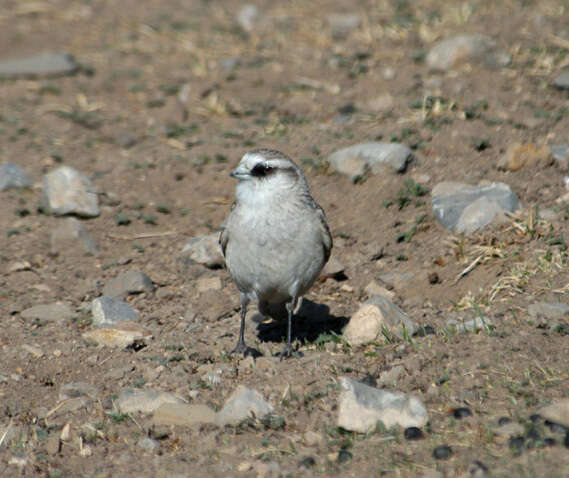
x: 375, y: 317
x: 561, y: 81
x: 204, y: 250
x: 466, y: 48
x: 143, y: 400
x: 332, y: 269
x: 466, y: 208
x: 46, y: 64
x: 70, y: 235
x: 247, y: 17
x: 66, y: 191
x: 109, y: 311
x: 373, y: 288
x: 13, y: 176
x: 230, y: 63
x: 548, y: 310
x: 242, y: 404
x: 557, y: 412
x: 357, y: 160
x: 560, y: 153
x: 115, y: 337
x: 131, y: 282
x: 361, y: 407
x: 148, y: 444
x: 78, y: 389
x: 342, y: 24
x: 470, y: 325
x: 183, y: 414
x: 55, y: 311
x: 397, y: 280
x: 125, y: 139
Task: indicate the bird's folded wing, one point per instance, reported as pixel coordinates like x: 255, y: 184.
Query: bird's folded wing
x: 326, y: 236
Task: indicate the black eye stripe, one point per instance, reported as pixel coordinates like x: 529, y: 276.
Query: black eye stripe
x: 261, y: 169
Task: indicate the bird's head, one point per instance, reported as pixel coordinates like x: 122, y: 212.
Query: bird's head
x: 267, y: 169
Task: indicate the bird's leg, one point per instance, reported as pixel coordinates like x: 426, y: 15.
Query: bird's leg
x: 241, y: 347
x: 287, y: 350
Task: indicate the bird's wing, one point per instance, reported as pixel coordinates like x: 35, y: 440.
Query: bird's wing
x: 224, y: 234
x: 325, y: 232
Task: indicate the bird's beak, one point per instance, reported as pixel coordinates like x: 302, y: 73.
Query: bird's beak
x: 239, y: 172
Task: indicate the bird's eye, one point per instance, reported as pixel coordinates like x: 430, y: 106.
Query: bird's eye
x: 261, y: 169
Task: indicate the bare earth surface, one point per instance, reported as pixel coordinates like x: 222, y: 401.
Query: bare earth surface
x: 191, y: 91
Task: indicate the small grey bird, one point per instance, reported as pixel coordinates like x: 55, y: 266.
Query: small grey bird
x: 276, y: 239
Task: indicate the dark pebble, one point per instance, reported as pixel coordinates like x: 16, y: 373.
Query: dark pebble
x: 344, y: 456
x: 477, y: 469
x: 307, y: 462
x: 347, y: 109
x: 433, y: 278
x: 274, y: 422
x: 442, y: 452
x: 424, y: 330
x: 461, y: 412
x: 535, y: 417
x: 556, y: 427
x: 369, y: 380
x: 504, y: 420
x: 413, y: 433
x: 532, y: 433
x: 549, y: 441
x: 516, y: 444
x: 566, y: 441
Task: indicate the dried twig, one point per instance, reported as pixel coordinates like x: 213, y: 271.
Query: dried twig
x: 472, y: 265
x: 147, y: 235
x: 5, y: 433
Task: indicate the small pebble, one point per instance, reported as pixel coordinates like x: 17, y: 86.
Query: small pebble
x: 442, y: 452
x: 549, y: 441
x: 535, y: 417
x: 433, y: 278
x: 148, y: 444
x: 504, y: 420
x: 369, y: 380
x: 477, y: 469
x: 516, y: 444
x: 424, y: 330
x: 413, y: 433
x: 461, y: 412
x: 344, y: 456
x: 274, y: 422
x: 307, y: 462
x: 566, y: 441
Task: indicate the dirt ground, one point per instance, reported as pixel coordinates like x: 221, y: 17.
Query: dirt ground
x: 192, y: 92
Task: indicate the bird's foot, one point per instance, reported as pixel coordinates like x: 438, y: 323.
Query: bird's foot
x: 242, y: 348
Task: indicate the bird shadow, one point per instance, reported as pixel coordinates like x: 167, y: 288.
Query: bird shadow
x: 310, y: 322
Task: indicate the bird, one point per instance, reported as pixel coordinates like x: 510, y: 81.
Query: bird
x: 275, y: 240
